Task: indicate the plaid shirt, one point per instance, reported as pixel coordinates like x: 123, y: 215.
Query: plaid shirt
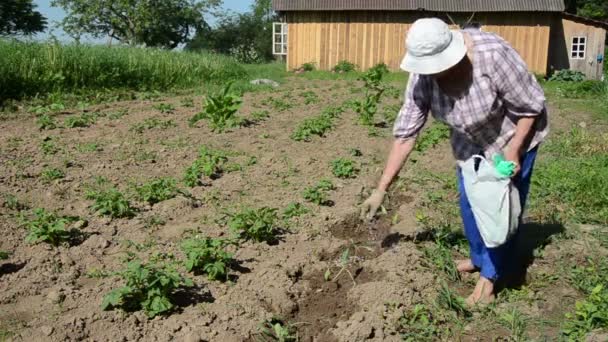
x: 484, y: 118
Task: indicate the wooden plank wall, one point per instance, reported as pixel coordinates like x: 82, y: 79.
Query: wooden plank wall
x: 596, y: 38
x: 369, y: 38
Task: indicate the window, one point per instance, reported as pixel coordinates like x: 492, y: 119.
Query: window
x: 279, y: 38
x: 579, y: 45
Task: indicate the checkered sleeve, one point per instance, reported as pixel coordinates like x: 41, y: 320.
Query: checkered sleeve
x: 519, y: 89
x: 414, y: 112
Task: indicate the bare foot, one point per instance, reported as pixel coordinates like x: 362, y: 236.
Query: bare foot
x: 466, y: 266
x: 483, y: 293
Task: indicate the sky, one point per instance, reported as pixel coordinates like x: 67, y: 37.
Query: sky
x: 55, y: 15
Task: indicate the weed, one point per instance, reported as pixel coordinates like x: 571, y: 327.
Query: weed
x: 260, y: 115
x: 209, y: 256
x: 374, y: 88
x: 117, y: 114
x: 165, y: 108
x: 48, y: 146
x: 148, y: 287
x: 255, y: 224
x: 432, y: 136
x: 306, y: 67
x: 586, y: 277
x: 157, y: 190
x: 567, y: 76
x: 355, y: 152
x: 318, y: 125
x: 142, y: 156
x: 277, y: 104
x: 294, y: 209
x: 310, y: 97
x: 440, y: 257
x: 49, y: 174
x: 48, y: 227
x: 220, y: 109
x: 12, y: 202
x: 448, y: 300
x: 109, y: 201
x: 151, y: 123
x: 89, y: 147
x: 344, y: 66
x: 318, y: 193
x: 154, y: 221
x: 187, y: 102
x: 418, y: 325
x: 344, y: 168
x: 277, y: 330
x: 516, y: 322
x: 46, y: 122
x: 80, y: 121
x: 590, y: 313
x: 210, y: 163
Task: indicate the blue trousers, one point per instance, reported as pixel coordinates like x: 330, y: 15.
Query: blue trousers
x: 494, y: 262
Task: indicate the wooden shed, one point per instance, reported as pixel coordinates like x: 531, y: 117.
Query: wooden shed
x: 368, y: 32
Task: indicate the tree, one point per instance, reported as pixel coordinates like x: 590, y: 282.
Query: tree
x: 594, y: 9
x: 247, y: 36
x: 20, y: 17
x: 158, y: 23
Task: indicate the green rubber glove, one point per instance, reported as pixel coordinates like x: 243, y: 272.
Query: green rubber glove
x: 505, y: 169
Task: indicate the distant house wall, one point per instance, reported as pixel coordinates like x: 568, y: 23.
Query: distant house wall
x: 370, y: 37
x: 564, y: 30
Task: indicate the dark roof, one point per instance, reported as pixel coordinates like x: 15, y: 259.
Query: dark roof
x: 587, y: 21
x: 428, y: 5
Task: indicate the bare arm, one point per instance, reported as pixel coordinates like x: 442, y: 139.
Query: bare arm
x: 399, y: 152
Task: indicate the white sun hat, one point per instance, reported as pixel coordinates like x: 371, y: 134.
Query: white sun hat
x: 432, y: 47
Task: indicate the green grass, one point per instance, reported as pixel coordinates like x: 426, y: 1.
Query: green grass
x: 28, y: 69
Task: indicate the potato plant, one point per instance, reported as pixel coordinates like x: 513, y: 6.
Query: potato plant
x: 209, y: 256
x: 165, y: 108
x: 255, y: 224
x: 157, y: 190
x: 49, y: 174
x: 210, y: 163
x: 80, y: 121
x: 220, y: 110
x: 48, y: 146
x: 294, y: 209
x: 48, y: 227
x: 46, y: 122
x: 318, y: 193
x: 151, y: 123
x: 344, y: 168
x: 148, y: 287
x: 374, y: 88
x: 318, y: 125
x: 110, y: 202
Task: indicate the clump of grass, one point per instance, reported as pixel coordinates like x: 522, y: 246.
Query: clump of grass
x: 318, y: 125
x: 50, y: 174
x: 157, y: 190
x: 448, y: 300
x: 344, y: 168
x: 318, y: 193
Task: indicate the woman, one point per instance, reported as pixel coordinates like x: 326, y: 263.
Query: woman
x: 477, y: 84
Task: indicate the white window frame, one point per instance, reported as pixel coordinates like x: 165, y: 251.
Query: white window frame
x: 279, y: 39
x: 578, y: 47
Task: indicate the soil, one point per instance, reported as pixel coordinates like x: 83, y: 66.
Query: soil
x: 47, y: 294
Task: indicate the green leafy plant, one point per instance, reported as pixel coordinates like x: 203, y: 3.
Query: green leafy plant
x: 277, y: 104
x: 151, y: 123
x: 255, y: 224
x: 209, y: 256
x: 318, y: 193
x: 157, y: 190
x: 165, y: 108
x: 567, y: 75
x: 220, y: 109
x: 344, y: 168
x: 48, y: 146
x: 48, y: 227
x: 117, y: 114
x: 4, y: 255
x: 590, y: 313
x: 210, y: 163
x: 148, y: 287
x: 310, y: 97
x: 187, y: 102
x: 344, y: 66
x: 448, y: 300
x: 432, y: 136
x: 49, y: 174
x: 13, y: 203
x: 110, y: 202
x: 46, y: 122
x: 318, y: 125
x: 276, y: 329
x: 374, y: 88
x: 307, y: 67
x: 418, y: 325
x: 260, y: 115
x: 83, y: 120
x: 439, y: 256
x: 516, y: 322
x: 294, y: 209
x: 89, y: 147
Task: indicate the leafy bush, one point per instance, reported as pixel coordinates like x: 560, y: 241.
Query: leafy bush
x: 318, y: 193
x: 209, y: 163
x: 567, y: 75
x: 306, y: 67
x: 157, y: 190
x: 83, y: 120
x: 294, y: 209
x: 148, y: 287
x: 255, y: 224
x: 209, y: 256
x: 46, y: 122
x: 344, y: 168
x: 220, y: 109
x: 344, y: 66
x: 48, y: 175
x: 318, y: 125
x: 48, y: 227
